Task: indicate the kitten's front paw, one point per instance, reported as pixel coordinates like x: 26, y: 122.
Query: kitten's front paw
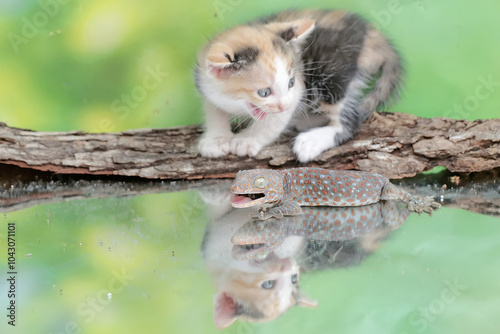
x: 309, y: 145
x: 215, y: 147
x: 243, y: 146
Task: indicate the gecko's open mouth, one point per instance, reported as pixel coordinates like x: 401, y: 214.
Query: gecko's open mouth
x: 241, y: 199
x: 255, y: 252
x: 249, y: 247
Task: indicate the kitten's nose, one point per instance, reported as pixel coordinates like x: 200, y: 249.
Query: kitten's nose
x: 284, y: 106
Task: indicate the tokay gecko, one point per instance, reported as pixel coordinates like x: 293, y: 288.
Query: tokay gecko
x: 289, y: 189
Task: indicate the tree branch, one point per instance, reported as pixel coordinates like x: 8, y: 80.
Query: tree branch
x: 393, y: 144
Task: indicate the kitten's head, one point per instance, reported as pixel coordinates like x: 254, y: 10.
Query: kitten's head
x: 255, y: 68
x: 259, y: 296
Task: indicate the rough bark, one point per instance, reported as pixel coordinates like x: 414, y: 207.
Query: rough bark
x: 393, y: 144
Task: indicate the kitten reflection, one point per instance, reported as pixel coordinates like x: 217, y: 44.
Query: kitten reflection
x: 254, y: 289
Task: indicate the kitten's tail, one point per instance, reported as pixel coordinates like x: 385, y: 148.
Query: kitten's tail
x: 379, y: 56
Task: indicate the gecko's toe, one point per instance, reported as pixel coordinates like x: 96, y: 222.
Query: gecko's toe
x: 423, y: 204
x: 260, y: 225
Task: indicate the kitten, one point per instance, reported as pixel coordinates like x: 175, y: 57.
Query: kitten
x: 323, y: 72
x: 249, y: 290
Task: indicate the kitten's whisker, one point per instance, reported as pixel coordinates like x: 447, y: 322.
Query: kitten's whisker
x: 310, y: 103
x: 240, y: 122
x: 313, y: 68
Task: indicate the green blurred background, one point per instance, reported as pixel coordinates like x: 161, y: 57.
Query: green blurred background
x: 86, y: 65
x: 81, y: 65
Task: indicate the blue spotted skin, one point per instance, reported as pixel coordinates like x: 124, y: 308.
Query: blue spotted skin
x: 290, y: 189
x: 320, y: 223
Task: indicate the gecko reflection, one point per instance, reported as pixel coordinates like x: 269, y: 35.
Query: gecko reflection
x: 256, y: 265
x: 258, y: 238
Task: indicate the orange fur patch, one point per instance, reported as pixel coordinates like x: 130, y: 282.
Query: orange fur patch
x: 258, y: 75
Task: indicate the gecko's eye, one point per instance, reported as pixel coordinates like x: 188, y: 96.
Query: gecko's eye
x: 260, y: 182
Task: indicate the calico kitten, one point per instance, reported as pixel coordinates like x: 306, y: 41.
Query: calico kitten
x: 323, y: 72
x: 250, y: 290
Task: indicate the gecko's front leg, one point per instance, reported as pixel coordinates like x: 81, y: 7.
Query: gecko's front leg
x: 288, y: 208
x: 421, y: 204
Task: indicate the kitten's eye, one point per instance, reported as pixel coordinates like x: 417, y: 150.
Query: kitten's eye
x: 291, y: 82
x: 268, y: 284
x: 264, y: 92
x: 260, y: 182
x: 295, y: 278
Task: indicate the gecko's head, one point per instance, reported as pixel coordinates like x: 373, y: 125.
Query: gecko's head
x: 257, y: 186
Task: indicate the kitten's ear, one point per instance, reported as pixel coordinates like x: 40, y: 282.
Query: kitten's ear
x: 306, y: 302
x: 224, y: 310
x: 223, y: 61
x: 220, y: 61
x: 296, y: 31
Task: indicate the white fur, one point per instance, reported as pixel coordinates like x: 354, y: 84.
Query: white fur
x: 217, y: 252
x: 215, y: 147
x: 218, y: 140
x: 283, y: 286
x: 308, y: 145
x: 250, y: 141
x: 263, y: 132
x: 214, y: 94
x: 282, y: 96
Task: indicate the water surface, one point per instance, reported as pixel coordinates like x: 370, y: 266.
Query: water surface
x: 154, y: 261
